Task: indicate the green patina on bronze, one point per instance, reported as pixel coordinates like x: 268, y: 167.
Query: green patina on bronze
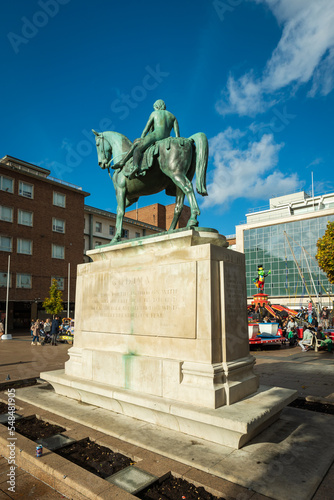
x: 140, y: 239
x: 127, y: 361
x: 154, y: 163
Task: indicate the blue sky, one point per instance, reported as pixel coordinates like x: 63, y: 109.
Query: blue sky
x: 255, y: 75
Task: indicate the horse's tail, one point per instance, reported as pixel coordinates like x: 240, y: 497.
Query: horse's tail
x: 202, y: 153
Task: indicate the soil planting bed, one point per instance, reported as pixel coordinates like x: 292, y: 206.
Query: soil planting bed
x: 174, y: 488
x: 17, y: 384
x: 34, y: 428
x: 3, y: 408
x: 95, y: 458
x: 313, y: 406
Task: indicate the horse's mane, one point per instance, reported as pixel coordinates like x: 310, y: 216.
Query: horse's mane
x: 117, y: 137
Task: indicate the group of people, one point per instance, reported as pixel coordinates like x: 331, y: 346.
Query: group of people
x: 40, y: 328
x: 325, y: 320
x: 311, y: 335
x: 306, y: 319
x: 312, y: 331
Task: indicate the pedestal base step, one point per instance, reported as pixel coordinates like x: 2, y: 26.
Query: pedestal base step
x: 231, y: 425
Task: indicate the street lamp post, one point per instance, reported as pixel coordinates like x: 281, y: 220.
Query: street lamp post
x: 7, y: 336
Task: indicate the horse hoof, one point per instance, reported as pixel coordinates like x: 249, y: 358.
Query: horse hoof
x: 192, y: 224
x: 116, y: 239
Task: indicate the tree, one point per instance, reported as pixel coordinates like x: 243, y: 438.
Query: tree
x: 54, y: 303
x: 325, y: 254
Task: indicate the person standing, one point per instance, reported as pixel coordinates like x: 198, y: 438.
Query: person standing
x: 291, y: 324
x: 54, y: 330
x: 31, y: 327
x: 324, y: 315
x: 35, y: 330
x: 47, y: 326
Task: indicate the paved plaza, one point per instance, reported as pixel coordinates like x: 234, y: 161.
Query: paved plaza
x: 310, y: 373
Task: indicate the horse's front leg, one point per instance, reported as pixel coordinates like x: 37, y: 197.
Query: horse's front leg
x: 120, y: 197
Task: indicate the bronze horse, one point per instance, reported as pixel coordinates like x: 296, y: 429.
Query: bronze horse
x: 174, y: 164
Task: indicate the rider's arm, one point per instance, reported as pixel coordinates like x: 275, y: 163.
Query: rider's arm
x: 176, y: 128
x: 149, y: 124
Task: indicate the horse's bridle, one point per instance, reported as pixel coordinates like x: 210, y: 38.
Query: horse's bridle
x: 104, y: 151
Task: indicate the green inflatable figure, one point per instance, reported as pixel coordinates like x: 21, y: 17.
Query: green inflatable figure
x: 259, y: 281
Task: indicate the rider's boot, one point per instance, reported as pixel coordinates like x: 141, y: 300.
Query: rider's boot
x: 118, y: 165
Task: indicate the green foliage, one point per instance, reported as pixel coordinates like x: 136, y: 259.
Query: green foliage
x: 54, y: 303
x: 325, y: 254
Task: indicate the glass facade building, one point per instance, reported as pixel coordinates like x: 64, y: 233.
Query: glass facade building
x: 282, y: 248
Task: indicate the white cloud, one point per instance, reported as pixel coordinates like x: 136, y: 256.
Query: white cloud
x: 304, y: 53
x: 323, y: 79
x: 245, y: 169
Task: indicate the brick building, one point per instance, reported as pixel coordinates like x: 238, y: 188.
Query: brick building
x: 159, y: 215
x: 46, y: 228
x: 42, y: 229
x: 100, y: 226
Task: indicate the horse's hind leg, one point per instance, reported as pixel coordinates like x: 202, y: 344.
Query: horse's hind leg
x: 178, y: 208
x: 183, y: 183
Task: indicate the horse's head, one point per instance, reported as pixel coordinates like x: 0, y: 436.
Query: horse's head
x: 104, y: 149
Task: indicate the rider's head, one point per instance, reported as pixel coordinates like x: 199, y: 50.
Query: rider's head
x: 159, y: 104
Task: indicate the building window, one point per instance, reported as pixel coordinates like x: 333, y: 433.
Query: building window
x: 59, y: 199
x: 24, y: 246
x: 98, y: 244
x: 137, y: 235
x: 24, y: 217
x: 270, y: 246
x: 58, y: 252
x: 125, y: 233
x: 6, y: 214
x: 26, y: 190
x: 60, y: 281
x: 23, y: 280
x: 111, y: 230
x: 144, y: 232
x: 6, y: 184
x: 5, y: 244
x: 3, y: 280
x: 98, y: 227
x: 58, y: 225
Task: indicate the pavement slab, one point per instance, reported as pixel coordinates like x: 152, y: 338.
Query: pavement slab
x: 284, y: 448
x: 279, y: 461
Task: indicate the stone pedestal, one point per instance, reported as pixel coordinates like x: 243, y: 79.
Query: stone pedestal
x: 161, y: 332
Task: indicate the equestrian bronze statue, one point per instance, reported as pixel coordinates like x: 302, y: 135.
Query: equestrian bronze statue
x: 154, y: 163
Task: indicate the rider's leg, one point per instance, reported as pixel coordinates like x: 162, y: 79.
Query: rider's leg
x: 138, y: 154
x: 137, y: 157
x: 122, y: 162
